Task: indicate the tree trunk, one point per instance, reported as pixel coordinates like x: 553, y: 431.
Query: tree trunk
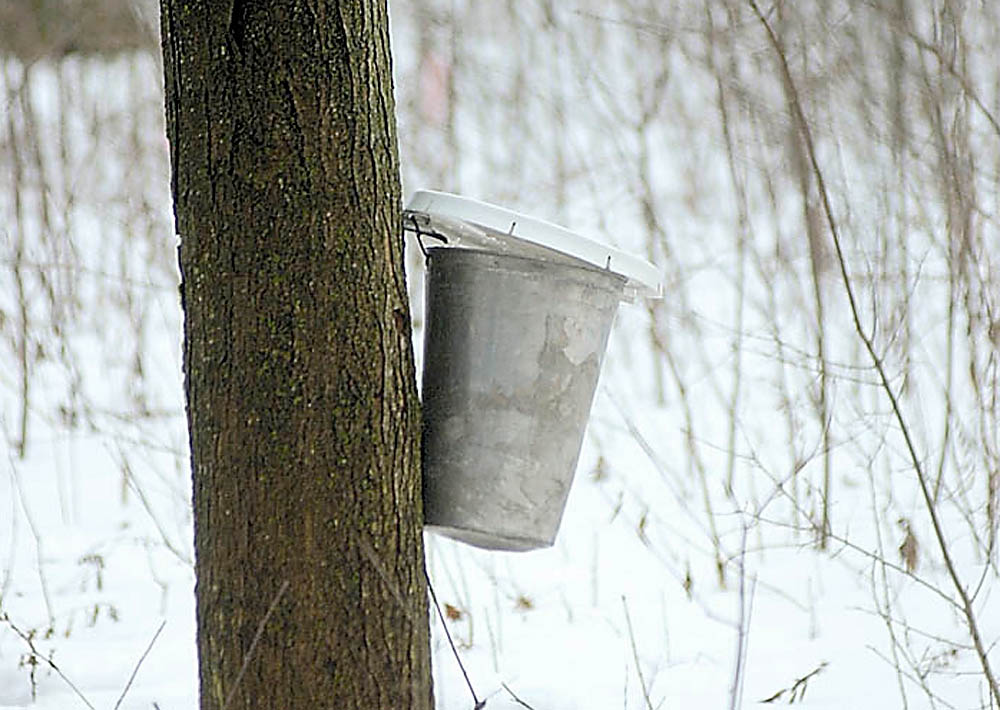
x: 301, y: 397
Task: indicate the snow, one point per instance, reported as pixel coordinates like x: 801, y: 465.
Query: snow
x: 95, y: 524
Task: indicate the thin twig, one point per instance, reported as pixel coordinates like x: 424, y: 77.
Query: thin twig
x: 743, y: 626
x: 913, y: 678
x: 742, y: 234
x: 797, y: 690
x: 39, y: 556
x: 886, y: 600
x: 873, y: 556
x: 949, y: 66
x: 133, y: 483
x: 475, y: 699
x: 18, y: 265
x: 8, y: 573
x: 253, y: 644
x: 635, y: 655
x: 514, y: 696
x: 142, y: 658
x: 38, y: 656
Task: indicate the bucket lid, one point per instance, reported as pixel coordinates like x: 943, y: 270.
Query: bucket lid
x: 463, y: 221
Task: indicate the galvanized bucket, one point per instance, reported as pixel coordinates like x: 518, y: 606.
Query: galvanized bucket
x: 512, y: 353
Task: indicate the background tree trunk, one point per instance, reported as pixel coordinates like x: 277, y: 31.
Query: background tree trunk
x: 35, y: 29
x: 302, y: 406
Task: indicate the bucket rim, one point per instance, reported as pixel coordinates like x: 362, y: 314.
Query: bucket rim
x: 510, y: 227
x: 586, y: 269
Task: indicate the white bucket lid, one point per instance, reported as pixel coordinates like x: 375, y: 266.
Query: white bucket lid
x: 455, y: 215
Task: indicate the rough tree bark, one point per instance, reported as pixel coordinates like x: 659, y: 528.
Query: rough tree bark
x: 301, y: 399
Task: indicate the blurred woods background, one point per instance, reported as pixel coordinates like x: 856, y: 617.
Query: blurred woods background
x: 817, y: 181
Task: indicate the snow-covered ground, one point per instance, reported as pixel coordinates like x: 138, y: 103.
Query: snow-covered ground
x: 667, y: 587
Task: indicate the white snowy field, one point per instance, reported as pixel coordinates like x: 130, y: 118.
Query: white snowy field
x: 96, y: 561
x: 735, y: 419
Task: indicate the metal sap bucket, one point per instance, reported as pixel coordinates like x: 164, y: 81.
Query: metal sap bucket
x: 512, y: 353
x: 515, y: 334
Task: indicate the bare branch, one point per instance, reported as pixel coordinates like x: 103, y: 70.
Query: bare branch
x: 877, y: 362
x: 138, y: 665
